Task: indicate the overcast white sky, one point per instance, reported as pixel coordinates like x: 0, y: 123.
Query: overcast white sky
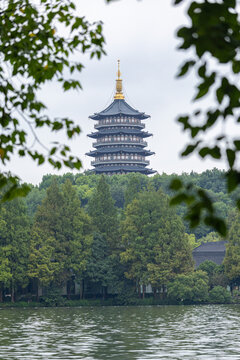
x: 142, y: 35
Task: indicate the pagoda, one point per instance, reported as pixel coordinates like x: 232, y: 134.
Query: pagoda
x: 119, y: 144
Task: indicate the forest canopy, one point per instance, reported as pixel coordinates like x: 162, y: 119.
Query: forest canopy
x: 113, y: 236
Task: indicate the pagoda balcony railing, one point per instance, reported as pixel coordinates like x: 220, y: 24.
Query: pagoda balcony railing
x: 120, y: 161
x: 119, y: 142
x: 98, y: 126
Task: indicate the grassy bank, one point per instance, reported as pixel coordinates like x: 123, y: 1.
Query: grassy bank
x: 100, y: 302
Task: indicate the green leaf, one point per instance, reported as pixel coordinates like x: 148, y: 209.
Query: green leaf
x: 184, y: 120
x: 178, y: 199
x: 176, y: 2
x: 176, y: 184
x: 185, y: 67
x: 237, y: 144
x: 16, y: 191
x: 202, y: 71
x: 236, y: 66
x: 214, y: 152
x: 204, y: 87
x: 233, y: 180
x: 190, y: 148
x: 217, y: 223
x: 231, y: 157
x: 53, y: 150
x: 220, y: 94
x: 238, y: 203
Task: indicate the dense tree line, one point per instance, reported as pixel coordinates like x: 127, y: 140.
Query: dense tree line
x: 112, y: 237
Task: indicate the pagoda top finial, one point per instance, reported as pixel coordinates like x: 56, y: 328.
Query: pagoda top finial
x: 119, y: 93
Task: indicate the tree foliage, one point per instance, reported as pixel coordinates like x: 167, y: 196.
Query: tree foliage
x: 219, y: 295
x: 66, y: 240
x: 14, y: 244
x: 37, y: 42
x: 213, y: 38
x: 156, y: 248
x: 232, y: 258
x: 103, y: 212
x: 61, y: 241
x: 189, y: 288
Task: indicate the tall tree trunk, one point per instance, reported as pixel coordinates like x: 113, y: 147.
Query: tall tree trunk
x: 164, y: 291
x: 139, y: 291
x: 154, y: 293
x: 143, y: 291
x: 1, y: 293
x: 104, y: 292
x: 68, y: 289
x: 12, y: 293
x: 82, y: 289
x: 37, y: 292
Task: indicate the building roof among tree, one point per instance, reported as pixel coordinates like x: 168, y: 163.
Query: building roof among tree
x: 119, y: 107
x: 214, y: 251
x: 215, y: 246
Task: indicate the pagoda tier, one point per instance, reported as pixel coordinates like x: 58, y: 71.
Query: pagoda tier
x: 119, y: 107
x: 122, y: 169
x: 119, y: 149
x: 119, y: 131
x: 119, y: 144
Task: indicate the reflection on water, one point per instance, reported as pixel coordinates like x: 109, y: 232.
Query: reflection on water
x: 122, y: 333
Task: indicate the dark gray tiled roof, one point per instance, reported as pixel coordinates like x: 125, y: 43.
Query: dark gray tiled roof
x: 118, y: 132
x: 118, y: 107
x: 211, y: 246
x: 112, y: 150
x: 117, y: 168
x: 213, y: 251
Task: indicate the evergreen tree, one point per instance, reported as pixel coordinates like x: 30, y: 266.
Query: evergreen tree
x: 156, y: 248
x: 232, y: 257
x: 103, y: 212
x: 62, y: 241
x: 133, y: 188
x: 105, y: 250
x: 14, y: 245
x: 77, y: 232
x: 42, y: 260
x: 101, y: 268
x: 5, y: 270
x: 44, y: 263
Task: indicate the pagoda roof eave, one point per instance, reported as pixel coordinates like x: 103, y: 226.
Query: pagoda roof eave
x: 119, y: 107
x: 101, y: 151
x: 101, y: 169
x: 140, y: 133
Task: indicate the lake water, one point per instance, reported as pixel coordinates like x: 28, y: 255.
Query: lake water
x: 122, y: 333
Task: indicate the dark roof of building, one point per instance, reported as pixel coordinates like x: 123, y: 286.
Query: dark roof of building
x: 215, y: 246
x: 118, y: 149
x: 213, y: 251
x: 117, y: 168
x: 119, y: 107
x: 104, y: 132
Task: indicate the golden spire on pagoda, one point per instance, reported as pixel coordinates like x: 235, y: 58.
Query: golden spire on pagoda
x: 119, y: 93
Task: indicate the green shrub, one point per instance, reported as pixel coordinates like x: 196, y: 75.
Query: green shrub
x: 191, y: 288
x: 219, y: 295
x: 53, y: 297
x: 208, y: 266
x: 126, y: 296
x: 236, y: 296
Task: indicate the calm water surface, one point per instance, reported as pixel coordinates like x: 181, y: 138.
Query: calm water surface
x: 122, y: 333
